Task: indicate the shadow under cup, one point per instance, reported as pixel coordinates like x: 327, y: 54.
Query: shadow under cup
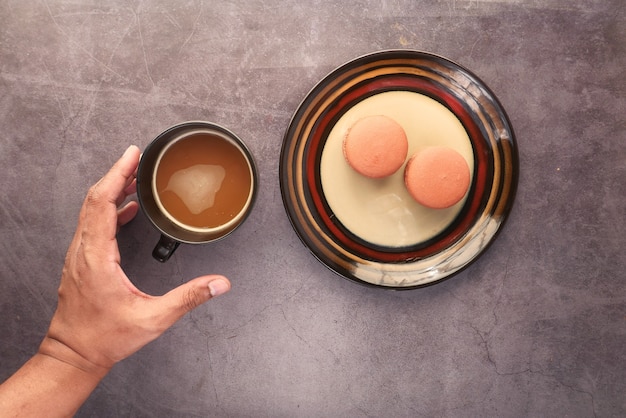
x: 173, y: 232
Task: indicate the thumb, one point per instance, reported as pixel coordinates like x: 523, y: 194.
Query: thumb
x: 188, y: 296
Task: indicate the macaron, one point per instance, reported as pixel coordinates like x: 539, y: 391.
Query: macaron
x: 437, y: 177
x: 375, y: 146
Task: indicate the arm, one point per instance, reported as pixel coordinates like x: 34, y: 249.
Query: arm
x: 101, y: 317
x: 47, y: 386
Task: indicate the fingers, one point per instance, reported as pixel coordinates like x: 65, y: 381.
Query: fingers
x: 100, y: 214
x: 131, y: 188
x: 188, y: 296
x: 120, y: 177
x: 126, y: 213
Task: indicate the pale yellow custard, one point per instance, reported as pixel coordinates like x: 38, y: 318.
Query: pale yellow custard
x: 381, y: 211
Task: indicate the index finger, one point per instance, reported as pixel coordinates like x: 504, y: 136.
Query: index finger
x: 119, y: 176
x: 100, y: 207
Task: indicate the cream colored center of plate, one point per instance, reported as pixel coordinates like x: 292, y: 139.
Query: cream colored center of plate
x: 381, y: 211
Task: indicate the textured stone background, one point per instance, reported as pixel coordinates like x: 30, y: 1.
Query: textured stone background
x: 535, y: 327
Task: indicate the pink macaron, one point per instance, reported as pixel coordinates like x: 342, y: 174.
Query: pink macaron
x: 375, y: 146
x: 437, y: 177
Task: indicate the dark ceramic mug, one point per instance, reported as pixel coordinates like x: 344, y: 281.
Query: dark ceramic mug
x: 174, y: 231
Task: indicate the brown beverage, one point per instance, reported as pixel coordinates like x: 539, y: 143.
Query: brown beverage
x: 203, y: 180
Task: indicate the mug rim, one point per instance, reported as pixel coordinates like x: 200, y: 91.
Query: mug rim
x: 147, y: 200
x: 207, y: 230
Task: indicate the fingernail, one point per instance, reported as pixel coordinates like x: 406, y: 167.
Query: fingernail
x: 218, y: 287
x: 127, y: 150
x: 130, y: 147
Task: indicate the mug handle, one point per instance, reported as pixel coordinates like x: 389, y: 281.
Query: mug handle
x: 164, y: 248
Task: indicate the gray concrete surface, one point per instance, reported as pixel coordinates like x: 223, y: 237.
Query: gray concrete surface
x: 535, y: 327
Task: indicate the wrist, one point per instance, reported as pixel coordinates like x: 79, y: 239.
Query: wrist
x: 57, y: 350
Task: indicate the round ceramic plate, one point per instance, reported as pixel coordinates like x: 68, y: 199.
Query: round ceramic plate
x: 370, y: 231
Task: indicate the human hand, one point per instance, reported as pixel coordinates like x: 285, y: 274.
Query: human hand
x: 101, y: 317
